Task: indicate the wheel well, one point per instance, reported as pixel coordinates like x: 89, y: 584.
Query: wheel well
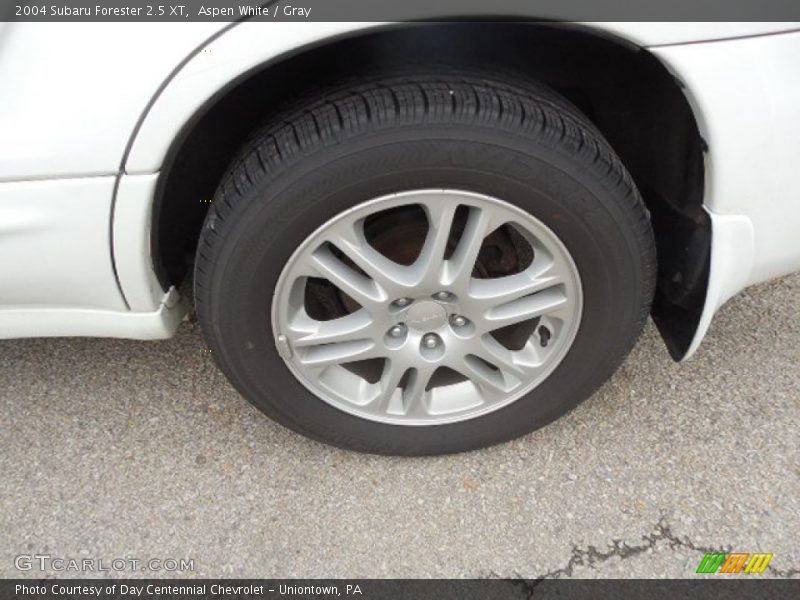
x: 624, y: 90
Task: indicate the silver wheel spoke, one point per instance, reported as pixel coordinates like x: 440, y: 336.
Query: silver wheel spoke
x: 525, y: 309
x: 309, y: 332
x: 494, y: 353
x: 491, y: 383
x: 429, y: 264
x: 415, y: 339
x: 362, y: 289
x: 336, y: 354
x: 488, y: 293
x: 458, y: 269
x: 414, y: 394
x: 393, y: 372
x: 389, y: 276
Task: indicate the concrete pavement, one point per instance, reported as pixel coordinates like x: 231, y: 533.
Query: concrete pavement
x: 115, y: 448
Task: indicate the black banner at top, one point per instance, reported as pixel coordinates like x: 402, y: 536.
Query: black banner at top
x: 401, y: 10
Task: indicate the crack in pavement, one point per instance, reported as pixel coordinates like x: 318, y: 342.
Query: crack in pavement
x: 590, y: 556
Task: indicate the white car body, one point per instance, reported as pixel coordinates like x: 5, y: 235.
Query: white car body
x: 84, y: 136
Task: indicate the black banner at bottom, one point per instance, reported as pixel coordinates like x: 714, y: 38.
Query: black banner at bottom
x: 732, y: 588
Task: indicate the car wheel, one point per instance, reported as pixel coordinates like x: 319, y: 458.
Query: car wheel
x: 424, y: 265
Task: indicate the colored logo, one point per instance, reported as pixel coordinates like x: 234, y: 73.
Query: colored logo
x: 734, y: 562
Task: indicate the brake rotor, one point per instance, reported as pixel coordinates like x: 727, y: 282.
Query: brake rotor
x: 400, y: 234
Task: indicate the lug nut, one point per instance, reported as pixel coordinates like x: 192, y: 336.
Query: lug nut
x: 442, y: 296
x: 402, y: 302
x: 458, y: 320
x: 397, y: 331
x: 430, y: 341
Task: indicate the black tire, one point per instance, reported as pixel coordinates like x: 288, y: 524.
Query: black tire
x: 516, y: 141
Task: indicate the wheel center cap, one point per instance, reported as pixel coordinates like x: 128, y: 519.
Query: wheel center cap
x: 426, y: 316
